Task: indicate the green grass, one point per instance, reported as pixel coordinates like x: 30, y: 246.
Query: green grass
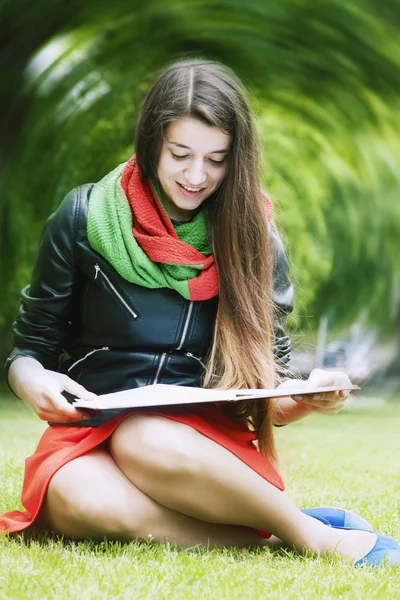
x: 351, y: 460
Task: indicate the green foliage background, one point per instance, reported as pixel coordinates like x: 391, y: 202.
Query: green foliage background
x: 324, y: 78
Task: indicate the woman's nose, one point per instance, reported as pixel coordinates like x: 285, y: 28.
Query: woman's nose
x: 195, y: 174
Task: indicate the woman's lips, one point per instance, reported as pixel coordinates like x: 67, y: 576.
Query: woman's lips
x: 189, y: 193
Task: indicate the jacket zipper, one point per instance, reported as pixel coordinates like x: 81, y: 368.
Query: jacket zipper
x: 182, y: 341
x: 186, y: 325
x: 86, y: 356
x: 114, y: 289
x: 162, y: 361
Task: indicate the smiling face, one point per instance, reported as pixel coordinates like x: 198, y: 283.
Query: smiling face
x: 193, y: 163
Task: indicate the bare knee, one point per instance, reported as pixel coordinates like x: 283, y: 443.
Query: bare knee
x: 155, y: 445
x: 80, y: 505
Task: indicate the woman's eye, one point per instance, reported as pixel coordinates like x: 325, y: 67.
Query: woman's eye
x: 184, y: 156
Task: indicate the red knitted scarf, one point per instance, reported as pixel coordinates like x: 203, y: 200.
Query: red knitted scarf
x: 156, y: 235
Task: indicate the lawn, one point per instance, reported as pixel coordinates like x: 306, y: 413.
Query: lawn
x: 351, y: 460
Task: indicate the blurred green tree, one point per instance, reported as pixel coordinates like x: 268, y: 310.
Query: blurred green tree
x: 324, y: 77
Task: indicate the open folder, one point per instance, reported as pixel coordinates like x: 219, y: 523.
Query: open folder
x: 162, y: 395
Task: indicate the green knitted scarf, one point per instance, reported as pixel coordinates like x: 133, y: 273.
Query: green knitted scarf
x: 129, y: 227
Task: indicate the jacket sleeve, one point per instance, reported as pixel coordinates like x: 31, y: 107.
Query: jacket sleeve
x: 282, y: 297
x: 43, y: 321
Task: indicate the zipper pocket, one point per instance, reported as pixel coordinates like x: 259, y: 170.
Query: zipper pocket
x: 115, y: 291
x: 190, y: 355
x: 106, y: 348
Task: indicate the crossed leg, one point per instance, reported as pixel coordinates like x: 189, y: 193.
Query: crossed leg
x: 165, y: 479
x: 90, y: 497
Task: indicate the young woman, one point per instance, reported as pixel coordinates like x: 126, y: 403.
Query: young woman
x: 168, y: 270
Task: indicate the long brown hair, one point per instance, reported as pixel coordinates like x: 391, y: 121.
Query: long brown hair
x: 241, y: 355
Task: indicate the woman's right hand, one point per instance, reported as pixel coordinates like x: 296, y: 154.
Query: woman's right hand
x: 42, y: 390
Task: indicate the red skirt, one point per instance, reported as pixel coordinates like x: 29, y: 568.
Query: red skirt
x: 61, y: 444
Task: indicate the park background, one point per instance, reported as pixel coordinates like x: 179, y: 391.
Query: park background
x: 324, y: 78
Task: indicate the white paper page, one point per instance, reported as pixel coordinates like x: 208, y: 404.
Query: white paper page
x: 164, y: 395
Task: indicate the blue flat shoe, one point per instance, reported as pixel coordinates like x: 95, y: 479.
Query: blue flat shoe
x: 338, y: 518
x: 386, y: 551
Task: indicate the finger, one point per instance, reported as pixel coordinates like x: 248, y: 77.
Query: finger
x: 77, y: 389
x: 55, y: 417
x: 50, y: 405
x: 331, y: 378
x: 330, y: 410
x: 335, y: 404
x: 323, y: 397
x: 331, y: 398
x: 315, y: 398
x: 63, y: 410
x: 328, y: 413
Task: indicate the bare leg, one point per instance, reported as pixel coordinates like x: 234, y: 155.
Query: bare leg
x: 189, y: 473
x: 91, y: 498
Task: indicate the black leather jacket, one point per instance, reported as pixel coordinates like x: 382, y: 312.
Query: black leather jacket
x: 80, y: 317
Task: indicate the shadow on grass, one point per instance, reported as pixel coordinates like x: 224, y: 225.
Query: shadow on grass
x: 48, y: 540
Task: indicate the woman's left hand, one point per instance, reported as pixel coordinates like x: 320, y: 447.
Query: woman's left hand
x: 326, y: 403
